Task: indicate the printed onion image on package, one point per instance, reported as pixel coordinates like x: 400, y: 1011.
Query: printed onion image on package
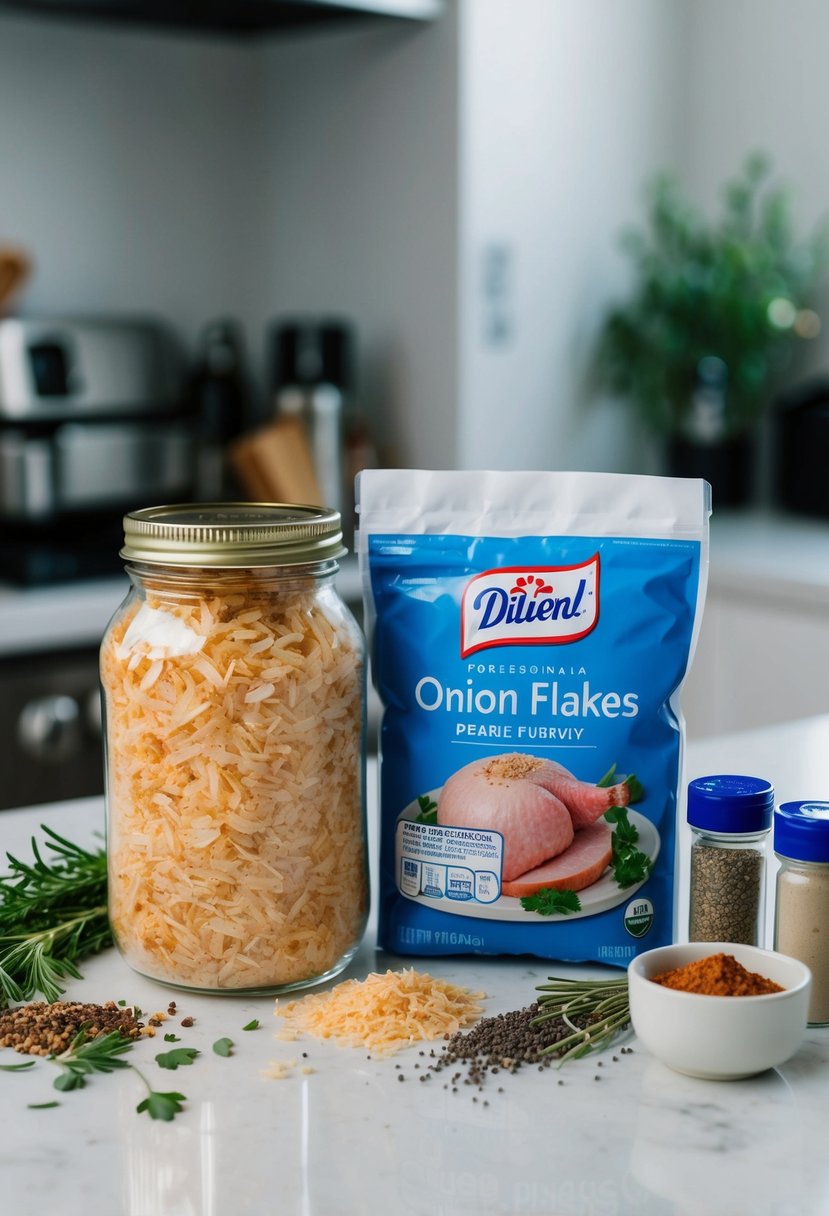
x: 529, y: 634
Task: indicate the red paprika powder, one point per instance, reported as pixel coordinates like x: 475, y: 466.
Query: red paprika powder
x: 717, y: 975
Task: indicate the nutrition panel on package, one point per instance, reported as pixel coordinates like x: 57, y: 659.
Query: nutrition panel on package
x: 530, y: 633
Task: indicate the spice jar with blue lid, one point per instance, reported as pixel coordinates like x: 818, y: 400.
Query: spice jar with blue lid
x: 801, y: 914
x: 730, y: 818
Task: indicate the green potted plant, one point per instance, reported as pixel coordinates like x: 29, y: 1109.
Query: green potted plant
x: 717, y: 312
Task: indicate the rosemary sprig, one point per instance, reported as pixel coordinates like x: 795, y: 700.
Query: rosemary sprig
x: 85, y: 1056
x: 605, y: 1002
x: 53, y: 914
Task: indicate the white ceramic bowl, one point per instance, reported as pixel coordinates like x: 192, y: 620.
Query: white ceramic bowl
x: 719, y: 1037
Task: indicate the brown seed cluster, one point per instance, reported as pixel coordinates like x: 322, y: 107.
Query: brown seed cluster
x: 39, y: 1029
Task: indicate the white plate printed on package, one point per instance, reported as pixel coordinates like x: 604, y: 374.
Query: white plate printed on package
x: 469, y: 888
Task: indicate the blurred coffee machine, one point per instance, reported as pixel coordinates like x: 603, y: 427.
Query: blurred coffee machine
x: 312, y: 378
x: 91, y: 425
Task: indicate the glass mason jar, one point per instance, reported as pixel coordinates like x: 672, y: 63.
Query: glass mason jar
x: 801, y: 910
x: 730, y: 817
x: 234, y: 701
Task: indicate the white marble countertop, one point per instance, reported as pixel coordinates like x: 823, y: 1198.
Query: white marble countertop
x: 617, y: 1138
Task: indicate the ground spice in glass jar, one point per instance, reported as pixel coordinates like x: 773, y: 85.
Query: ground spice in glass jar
x: 801, y: 924
x: 730, y: 817
x: 717, y: 975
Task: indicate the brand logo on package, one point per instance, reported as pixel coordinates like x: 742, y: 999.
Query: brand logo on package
x: 530, y: 606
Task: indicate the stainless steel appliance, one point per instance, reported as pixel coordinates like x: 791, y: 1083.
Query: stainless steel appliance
x: 91, y: 424
x: 81, y: 409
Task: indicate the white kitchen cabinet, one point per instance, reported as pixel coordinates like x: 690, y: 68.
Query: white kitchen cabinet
x: 763, y: 653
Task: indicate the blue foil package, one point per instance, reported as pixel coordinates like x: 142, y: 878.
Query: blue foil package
x: 529, y: 635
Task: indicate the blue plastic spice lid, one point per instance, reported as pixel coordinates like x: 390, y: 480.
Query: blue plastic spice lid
x: 730, y: 803
x: 801, y: 830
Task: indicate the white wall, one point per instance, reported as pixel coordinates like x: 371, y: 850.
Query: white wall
x: 359, y: 182
x: 192, y: 176
x: 368, y: 172
x: 126, y: 165
x: 564, y: 114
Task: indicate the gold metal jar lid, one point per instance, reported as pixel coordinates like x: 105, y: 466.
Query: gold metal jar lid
x: 233, y: 535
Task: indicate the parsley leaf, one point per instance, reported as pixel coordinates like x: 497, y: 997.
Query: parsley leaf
x: 172, y: 1038
x: 162, y: 1106
x: 254, y: 1025
x: 223, y: 1047
x: 632, y: 869
x: 428, y: 809
x: 548, y: 902
x: 629, y: 864
x: 177, y: 1057
x: 624, y: 833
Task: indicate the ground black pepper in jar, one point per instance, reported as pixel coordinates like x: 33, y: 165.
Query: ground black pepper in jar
x: 233, y: 681
x: 730, y: 817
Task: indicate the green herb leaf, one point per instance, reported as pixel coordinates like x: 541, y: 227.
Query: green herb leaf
x: 69, y: 1080
x: 629, y: 864
x: 633, y: 869
x: 85, y: 1056
x: 625, y: 833
x: 254, y: 1025
x: 608, y: 779
x: 16, y: 1067
x: 223, y: 1047
x: 41, y: 1105
x: 636, y: 790
x: 548, y: 901
x: 176, y: 1058
x: 172, y: 1038
x: 161, y: 1106
x: 428, y: 810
